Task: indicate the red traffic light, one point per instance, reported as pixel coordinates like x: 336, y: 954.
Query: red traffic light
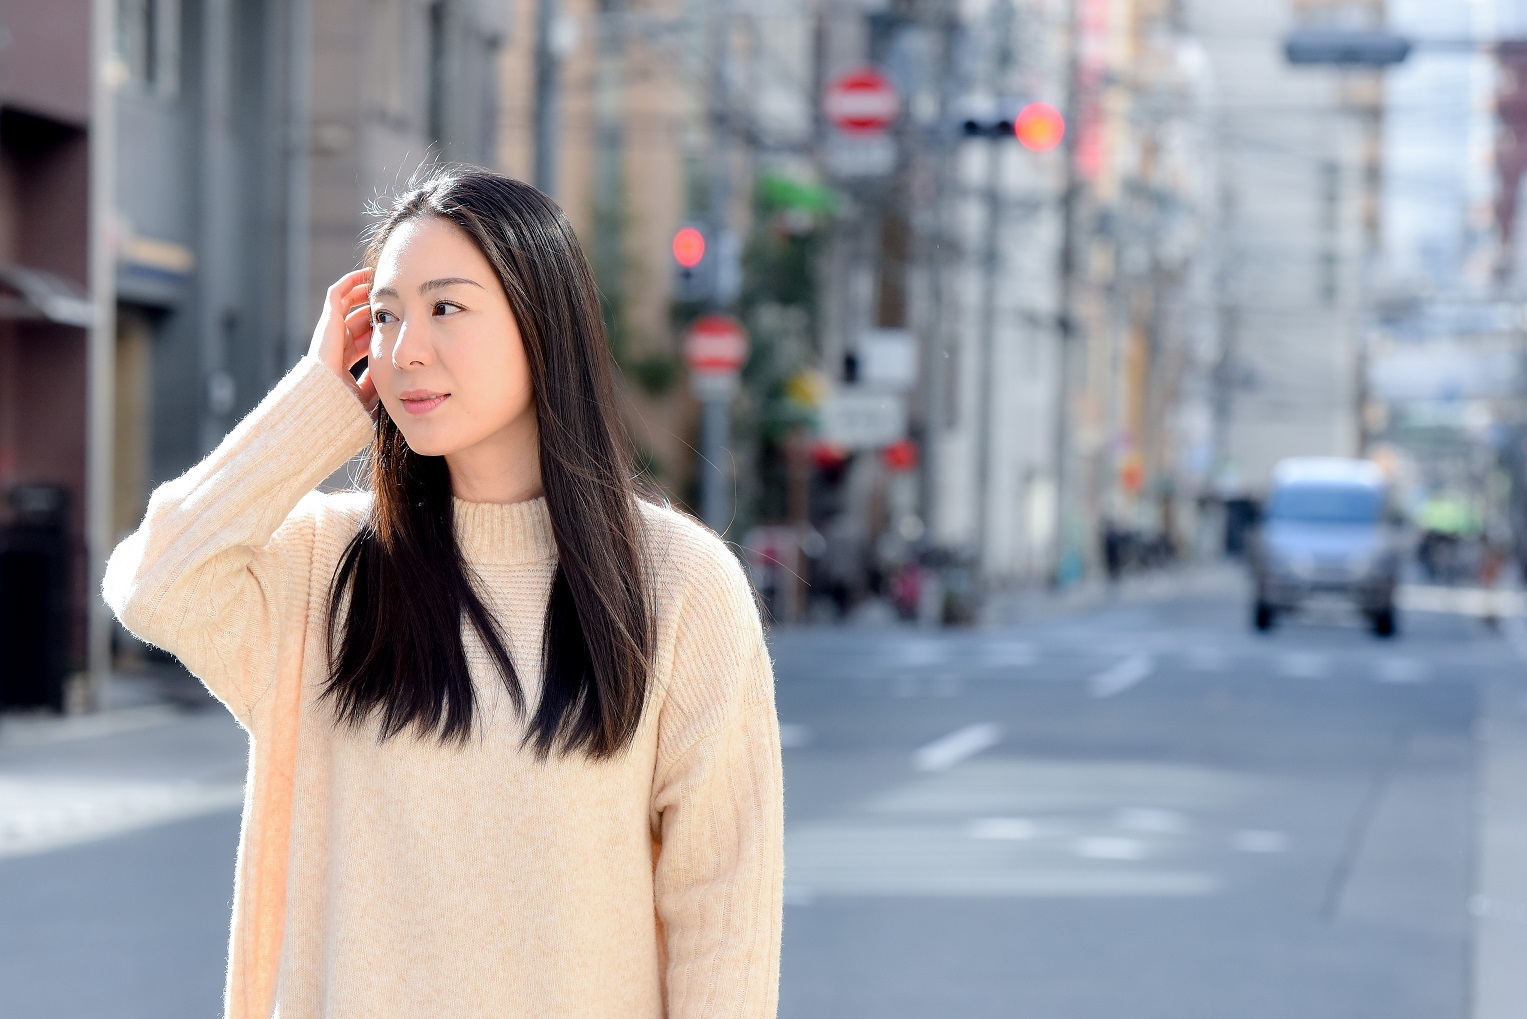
x: 688, y: 247
x: 1039, y: 127
x: 900, y: 455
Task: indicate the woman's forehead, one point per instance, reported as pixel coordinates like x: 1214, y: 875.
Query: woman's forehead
x: 427, y: 247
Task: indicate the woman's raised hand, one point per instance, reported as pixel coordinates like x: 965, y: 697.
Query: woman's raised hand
x: 343, y: 334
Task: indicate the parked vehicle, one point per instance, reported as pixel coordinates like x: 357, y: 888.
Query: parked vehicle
x: 1330, y: 530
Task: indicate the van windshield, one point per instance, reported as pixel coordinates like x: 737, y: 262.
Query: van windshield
x: 1326, y: 504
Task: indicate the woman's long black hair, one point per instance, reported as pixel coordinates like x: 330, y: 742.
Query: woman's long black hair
x: 397, y: 652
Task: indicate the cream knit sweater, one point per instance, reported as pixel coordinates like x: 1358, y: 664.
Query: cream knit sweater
x: 410, y: 879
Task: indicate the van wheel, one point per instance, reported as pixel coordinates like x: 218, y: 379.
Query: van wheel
x: 1384, y: 622
x: 1263, y: 617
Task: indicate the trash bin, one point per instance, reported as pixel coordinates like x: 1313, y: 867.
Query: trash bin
x: 34, y: 598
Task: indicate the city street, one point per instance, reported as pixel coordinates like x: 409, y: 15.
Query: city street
x: 1140, y: 808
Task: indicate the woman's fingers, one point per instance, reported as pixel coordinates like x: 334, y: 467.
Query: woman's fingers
x: 349, y: 282
x: 358, y: 323
x: 367, y: 390
x: 337, y: 339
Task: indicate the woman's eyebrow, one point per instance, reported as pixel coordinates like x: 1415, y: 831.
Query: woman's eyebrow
x: 447, y: 281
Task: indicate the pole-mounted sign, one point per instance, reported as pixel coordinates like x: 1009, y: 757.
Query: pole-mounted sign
x: 861, y: 102
x: 715, y: 349
x: 860, y: 108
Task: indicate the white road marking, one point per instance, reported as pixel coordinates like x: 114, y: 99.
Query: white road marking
x: 1304, y: 665
x: 1012, y: 829
x: 796, y: 895
x: 965, y: 832
x: 1014, y: 653
x: 1399, y: 670
x: 37, y: 815
x: 793, y: 737
x: 1151, y: 820
x: 1115, y: 680
x: 24, y: 731
x: 947, y: 751
x: 1253, y: 841
x: 1463, y: 601
x: 1110, y: 847
x: 919, y: 653
x: 1206, y: 659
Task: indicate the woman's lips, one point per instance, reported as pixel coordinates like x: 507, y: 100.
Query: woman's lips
x: 425, y: 405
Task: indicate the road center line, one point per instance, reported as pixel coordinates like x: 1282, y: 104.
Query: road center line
x: 1118, y: 678
x: 947, y: 751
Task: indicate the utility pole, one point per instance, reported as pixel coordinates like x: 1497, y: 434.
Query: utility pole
x: 609, y: 145
x: 101, y: 369
x: 1066, y: 278
x: 1002, y: 31
x: 299, y: 314
x: 937, y: 373
x: 548, y: 95
x: 716, y: 402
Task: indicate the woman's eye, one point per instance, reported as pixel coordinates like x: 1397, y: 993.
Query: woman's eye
x: 381, y: 318
x: 446, y: 308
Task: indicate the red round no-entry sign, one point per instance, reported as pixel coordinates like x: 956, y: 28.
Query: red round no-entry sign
x: 715, y: 344
x: 861, y: 102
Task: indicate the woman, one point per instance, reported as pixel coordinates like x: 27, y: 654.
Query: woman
x: 514, y: 748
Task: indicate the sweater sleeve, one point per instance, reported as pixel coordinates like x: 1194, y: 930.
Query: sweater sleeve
x: 224, y: 551
x: 719, y: 800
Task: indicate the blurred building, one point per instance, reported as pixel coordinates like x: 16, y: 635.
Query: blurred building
x: 251, y: 138
x: 1057, y: 296
x: 645, y: 131
x: 45, y: 99
x: 1300, y: 160
x: 1144, y: 339
x: 631, y: 140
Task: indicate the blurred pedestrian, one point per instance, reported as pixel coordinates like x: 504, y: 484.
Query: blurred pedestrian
x: 1492, y: 562
x: 515, y: 749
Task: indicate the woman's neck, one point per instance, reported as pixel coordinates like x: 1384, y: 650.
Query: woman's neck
x: 503, y: 468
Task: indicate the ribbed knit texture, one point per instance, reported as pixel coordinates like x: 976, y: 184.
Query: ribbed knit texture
x: 411, y: 879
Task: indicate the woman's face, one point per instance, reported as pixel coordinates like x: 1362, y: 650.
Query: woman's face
x: 446, y: 354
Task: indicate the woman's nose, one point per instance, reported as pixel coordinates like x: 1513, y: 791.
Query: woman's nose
x: 411, y: 349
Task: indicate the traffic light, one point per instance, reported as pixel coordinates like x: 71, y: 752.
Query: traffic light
x: 693, y: 271
x: 1338, y: 47
x: 988, y: 125
x: 1038, y: 127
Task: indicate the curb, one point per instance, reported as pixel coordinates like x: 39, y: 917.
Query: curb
x: 1499, y: 904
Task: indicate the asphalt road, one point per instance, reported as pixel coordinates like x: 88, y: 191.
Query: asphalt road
x: 1138, y: 810
x: 1143, y: 811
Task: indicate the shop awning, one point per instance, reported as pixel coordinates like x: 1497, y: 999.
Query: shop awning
x: 36, y: 295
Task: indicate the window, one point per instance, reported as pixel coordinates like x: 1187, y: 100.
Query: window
x: 1326, y: 504
x: 462, y: 83
x: 148, y: 44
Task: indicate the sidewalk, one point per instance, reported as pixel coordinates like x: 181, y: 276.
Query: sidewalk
x: 131, y: 700
x: 1499, y: 905
x: 161, y: 750
x: 1224, y: 578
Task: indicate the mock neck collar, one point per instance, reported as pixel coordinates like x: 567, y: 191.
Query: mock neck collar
x: 504, y: 532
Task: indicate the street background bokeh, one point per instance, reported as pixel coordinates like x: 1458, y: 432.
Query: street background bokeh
x: 979, y: 329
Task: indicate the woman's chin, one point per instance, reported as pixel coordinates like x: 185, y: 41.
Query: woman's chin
x: 422, y: 446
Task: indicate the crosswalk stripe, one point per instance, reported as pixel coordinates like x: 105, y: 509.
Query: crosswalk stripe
x: 947, y: 751
x: 37, y: 815
x: 1118, y: 678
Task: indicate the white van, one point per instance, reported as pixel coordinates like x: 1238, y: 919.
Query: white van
x: 1329, y: 530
